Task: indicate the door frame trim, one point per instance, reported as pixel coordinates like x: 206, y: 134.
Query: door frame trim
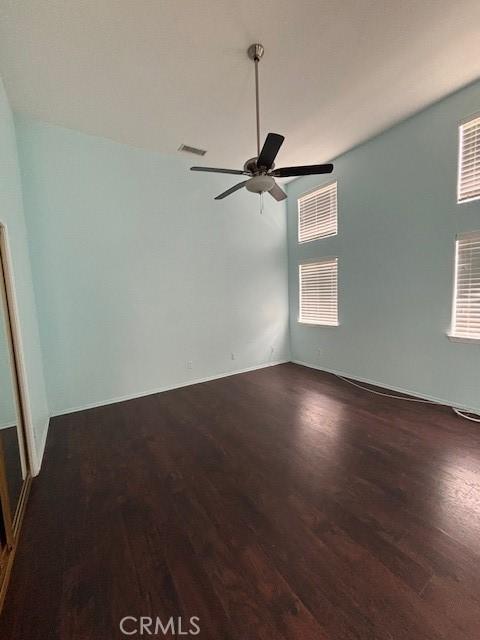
x: 25, y: 430
x: 15, y: 340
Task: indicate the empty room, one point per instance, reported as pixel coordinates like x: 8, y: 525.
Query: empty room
x: 240, y: 319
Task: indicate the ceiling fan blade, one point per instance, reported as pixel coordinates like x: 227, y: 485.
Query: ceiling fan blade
x: 236, y: 172
x: 277, y: 192
x: 269, y: 151
x: 231, y: 190
x: 307, y: 170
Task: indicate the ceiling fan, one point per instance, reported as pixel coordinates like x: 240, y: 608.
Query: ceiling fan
x: 261, y: 168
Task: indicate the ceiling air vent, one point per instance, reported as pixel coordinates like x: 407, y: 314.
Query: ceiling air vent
x: 194, y: 150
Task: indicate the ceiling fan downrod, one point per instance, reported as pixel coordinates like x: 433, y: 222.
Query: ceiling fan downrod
x: 261, y: 171
x: 255, y: 52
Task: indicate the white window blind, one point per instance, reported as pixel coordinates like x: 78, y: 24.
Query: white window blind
x: 319, y: 292
x: 466, y: 309
x: 317, y: 214
x: 469, y: 161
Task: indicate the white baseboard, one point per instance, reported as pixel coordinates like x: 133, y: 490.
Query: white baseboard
x: 7, y: 426
x: 142, y: 394
x: 376, y: 383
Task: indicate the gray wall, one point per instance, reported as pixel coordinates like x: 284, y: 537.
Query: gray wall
x: 397, y: 223
x: 138, y: 270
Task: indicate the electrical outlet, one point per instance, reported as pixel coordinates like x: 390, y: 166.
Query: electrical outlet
x: 272, y: 350
x: 189, y: 364
x: 232, y: 355
x: 319, y: 352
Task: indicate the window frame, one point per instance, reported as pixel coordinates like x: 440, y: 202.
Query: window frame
x: 317, y: 260
x: 461, y: 124
x: 452, y: 336
x: 308, y: 193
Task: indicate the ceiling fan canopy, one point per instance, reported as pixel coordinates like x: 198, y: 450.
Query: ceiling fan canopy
x: 261, y: 169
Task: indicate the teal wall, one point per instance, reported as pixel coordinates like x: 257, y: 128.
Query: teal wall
x: 397, y: 223
x: 11, y: 215
x: 137, y: 269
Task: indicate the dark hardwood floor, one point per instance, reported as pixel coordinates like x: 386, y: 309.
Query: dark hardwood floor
x: 277, y: 504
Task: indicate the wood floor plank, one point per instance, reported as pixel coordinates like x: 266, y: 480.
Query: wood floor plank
x: 278, y: 504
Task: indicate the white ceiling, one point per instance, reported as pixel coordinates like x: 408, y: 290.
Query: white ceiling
x: 156, y: 73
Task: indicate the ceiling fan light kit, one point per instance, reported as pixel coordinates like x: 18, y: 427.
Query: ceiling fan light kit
x: 261, y: 168
x: 260, y: 184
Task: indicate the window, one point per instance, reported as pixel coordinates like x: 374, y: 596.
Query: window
x: 319, y: 292
x: 317, y: 214
x: 469, y: 161
x: 466, y: 303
